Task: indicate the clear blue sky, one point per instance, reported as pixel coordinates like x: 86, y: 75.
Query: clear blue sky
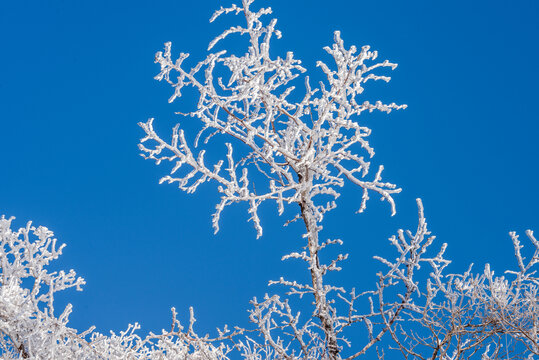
x: 77, y: 76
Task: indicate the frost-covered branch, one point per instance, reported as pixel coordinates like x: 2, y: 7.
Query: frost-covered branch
x: 31, y: 329
x: 278, y: 149
x: 464, y: 316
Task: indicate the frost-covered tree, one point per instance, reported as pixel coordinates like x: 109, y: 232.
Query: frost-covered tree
x: 288, y: 141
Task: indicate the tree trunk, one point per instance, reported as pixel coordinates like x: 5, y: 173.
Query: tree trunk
x: 322, y: 307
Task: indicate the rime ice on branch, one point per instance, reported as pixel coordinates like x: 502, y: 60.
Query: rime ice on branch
x: 302, y: 149
x: 452, y: 316
x: 30, y: 329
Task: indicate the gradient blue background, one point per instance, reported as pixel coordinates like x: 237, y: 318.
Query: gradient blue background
x: 77, y: 76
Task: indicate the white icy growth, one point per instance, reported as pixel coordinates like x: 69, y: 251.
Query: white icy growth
x: 451, y: 316
x: 301, y: 148
x: 292, y: 152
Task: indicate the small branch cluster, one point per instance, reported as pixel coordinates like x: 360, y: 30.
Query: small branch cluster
x: 27, y: 320
x: 385, y: 305
x: 462, y: 315
x: 29, y: 328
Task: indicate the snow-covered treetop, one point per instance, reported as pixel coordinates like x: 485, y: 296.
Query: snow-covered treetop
x: 301, y: 148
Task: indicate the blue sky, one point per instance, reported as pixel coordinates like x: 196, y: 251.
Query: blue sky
x: 78, y: 76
